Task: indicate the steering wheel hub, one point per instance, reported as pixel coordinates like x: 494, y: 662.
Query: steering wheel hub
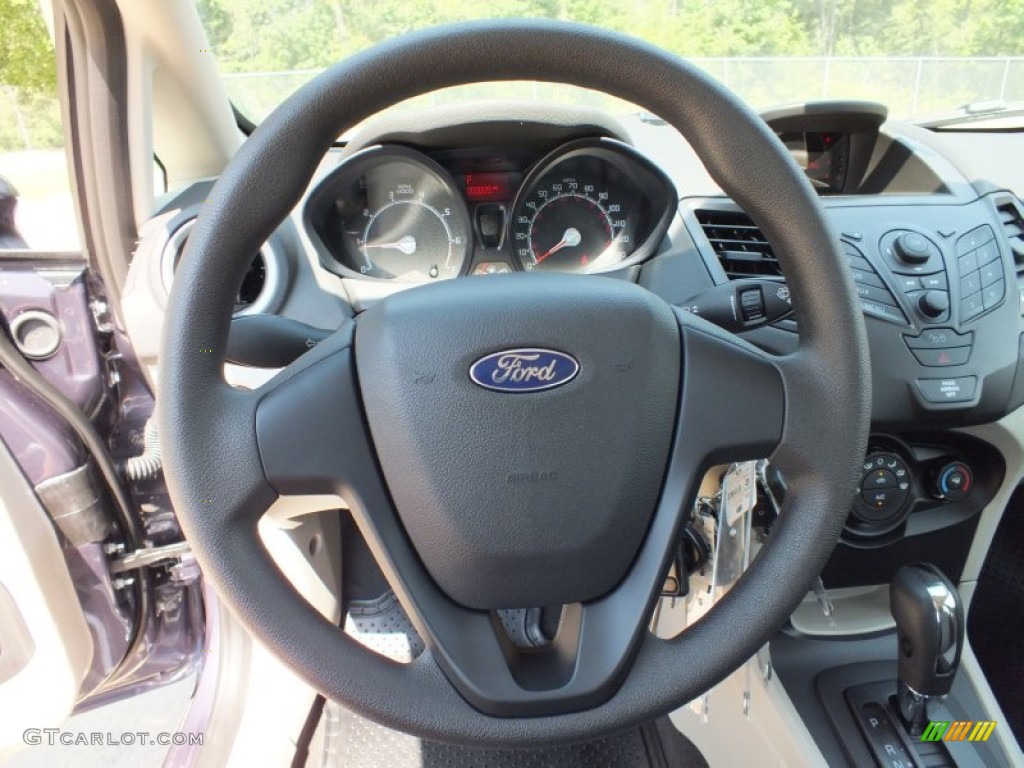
x: 538, y: 498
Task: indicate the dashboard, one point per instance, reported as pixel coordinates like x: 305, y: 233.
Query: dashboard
x: 391, y: 212
x: 936, y: 253
x: 931, y: 227
x: 932, y: 231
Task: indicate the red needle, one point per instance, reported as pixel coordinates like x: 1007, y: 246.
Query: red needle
x: 571, y: 238
x: 557, y: 247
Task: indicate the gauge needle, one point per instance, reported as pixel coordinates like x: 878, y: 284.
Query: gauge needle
x: 406, y: 245
x: 572, y: 237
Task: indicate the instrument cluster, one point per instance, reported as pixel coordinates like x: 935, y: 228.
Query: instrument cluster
x: 391, y: 212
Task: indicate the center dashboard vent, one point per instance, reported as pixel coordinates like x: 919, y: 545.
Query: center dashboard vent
x: 740, y: 246
x: 1011, y: 218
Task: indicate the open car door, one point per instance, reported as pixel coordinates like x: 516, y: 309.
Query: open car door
x: 99, y: 596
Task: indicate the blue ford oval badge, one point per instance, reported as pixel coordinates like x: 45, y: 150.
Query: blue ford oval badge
x: 524, y: 370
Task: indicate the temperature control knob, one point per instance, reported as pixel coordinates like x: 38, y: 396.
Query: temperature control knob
x: 912, y: 248
x: 954, y: 481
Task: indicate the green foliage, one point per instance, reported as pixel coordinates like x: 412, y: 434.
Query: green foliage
x: 311, y: 34
x: 26, y: 55
x: 285, y: 35
x: 273, y: 35
x: 29, y: 120
x: 29, y: 113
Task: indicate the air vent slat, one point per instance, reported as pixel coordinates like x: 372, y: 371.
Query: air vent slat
x: 743, y: 256
x: 740, y: 246
x: 1013, y: 231
x: 742, y: 227
x: 1011, y: 217
x: 732, y: 241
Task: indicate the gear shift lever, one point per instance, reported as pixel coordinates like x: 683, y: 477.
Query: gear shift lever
x: 930, y: 630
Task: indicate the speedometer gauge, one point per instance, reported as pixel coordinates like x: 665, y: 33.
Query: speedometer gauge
x: 590, y: 206
x: 394, y: 214
x: 568, y: 225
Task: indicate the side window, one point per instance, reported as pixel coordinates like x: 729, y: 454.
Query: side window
x: 36, y: 209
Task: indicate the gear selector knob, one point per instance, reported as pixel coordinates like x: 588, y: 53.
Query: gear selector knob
x: 930, y: 630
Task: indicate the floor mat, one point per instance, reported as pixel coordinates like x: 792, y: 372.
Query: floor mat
x: 361, y: 743
x: 997, y: 609
x: 350, y: 741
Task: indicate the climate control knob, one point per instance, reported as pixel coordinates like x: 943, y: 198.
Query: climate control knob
x: 884, y: 491
x: 912, y: 248
x: 953, y: 482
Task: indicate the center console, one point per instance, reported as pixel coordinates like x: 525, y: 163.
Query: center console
x: 936, y: 258
x: 845, y: 691
x: 884, y: 696
x: 900, y: 712
x: 874, y: 694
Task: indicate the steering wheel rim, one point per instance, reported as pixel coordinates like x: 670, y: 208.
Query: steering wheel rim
x: 227, y: 458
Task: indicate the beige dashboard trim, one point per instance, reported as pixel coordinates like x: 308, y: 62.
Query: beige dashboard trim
x: 1007, y: 435
x: 773, y: 735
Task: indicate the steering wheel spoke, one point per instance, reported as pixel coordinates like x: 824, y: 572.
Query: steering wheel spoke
x: 733, y: 396
x: 585, y: 662
x: 580, y: 668
x: 308, y: 421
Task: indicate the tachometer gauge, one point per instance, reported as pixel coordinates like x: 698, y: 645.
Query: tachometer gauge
x: 592, y: 205
x: 392, y: 213
x: 408, y: 234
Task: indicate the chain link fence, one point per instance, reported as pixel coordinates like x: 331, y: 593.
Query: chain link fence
x: 912, y: 87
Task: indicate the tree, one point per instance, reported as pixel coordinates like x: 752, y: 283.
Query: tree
x: 26, y: 54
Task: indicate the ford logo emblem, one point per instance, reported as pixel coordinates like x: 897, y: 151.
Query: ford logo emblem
x: 524, y: 370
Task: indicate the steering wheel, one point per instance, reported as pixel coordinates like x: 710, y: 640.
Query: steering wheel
x: 473, y: 499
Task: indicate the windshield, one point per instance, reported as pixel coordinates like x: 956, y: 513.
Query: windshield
x: 924, y: 60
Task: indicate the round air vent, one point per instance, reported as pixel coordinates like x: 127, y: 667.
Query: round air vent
x: 260, y: 287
